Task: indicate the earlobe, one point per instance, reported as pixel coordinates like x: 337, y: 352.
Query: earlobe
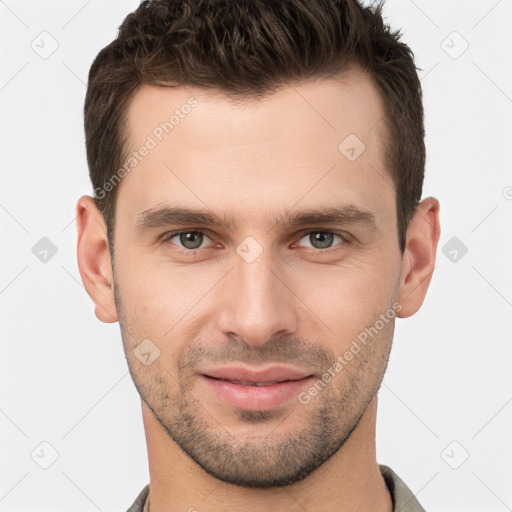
x: 419, y: 256
x: 94, y: 259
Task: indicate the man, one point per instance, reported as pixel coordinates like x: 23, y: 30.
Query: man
x: 257, y: 226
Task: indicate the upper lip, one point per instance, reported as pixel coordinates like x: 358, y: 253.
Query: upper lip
x: 245, y: 374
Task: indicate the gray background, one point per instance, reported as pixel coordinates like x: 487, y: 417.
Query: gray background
x: 445, y: 406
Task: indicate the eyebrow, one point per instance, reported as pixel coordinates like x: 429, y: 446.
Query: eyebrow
x: 168, y: 216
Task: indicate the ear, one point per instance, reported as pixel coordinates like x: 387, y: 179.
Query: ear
x: 419, y: 257
x: 94, y: 259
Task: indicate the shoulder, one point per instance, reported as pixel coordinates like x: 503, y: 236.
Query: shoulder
x: 140, y: 501
x: 403, y: 498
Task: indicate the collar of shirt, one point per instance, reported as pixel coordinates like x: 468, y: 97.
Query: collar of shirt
x: 403, y: 498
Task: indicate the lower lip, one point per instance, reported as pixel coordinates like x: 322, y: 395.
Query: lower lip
x: 256, y: 398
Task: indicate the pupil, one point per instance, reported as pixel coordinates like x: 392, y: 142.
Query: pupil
x: 324, y: 239
x: 187, y: 239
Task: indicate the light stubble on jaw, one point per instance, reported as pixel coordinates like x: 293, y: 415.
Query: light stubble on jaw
x: 280, y: 458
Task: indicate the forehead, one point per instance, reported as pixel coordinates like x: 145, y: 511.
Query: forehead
x: 349, y: 103
x: 321, y: 140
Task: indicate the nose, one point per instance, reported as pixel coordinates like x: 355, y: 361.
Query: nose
x: 257, y: 303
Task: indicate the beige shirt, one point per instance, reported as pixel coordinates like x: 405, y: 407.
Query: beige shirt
x: 403, y: 498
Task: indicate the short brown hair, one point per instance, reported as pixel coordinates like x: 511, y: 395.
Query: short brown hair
x: 247, y: 48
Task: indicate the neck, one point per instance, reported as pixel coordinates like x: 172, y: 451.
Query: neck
x: 350, y: 480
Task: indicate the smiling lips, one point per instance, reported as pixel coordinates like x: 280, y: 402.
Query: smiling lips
x: 255, y: 390
x: 249, y: 383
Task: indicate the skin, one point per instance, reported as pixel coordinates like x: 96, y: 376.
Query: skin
x: 298, y: 303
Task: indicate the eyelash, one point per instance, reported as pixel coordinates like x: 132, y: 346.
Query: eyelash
x: 345, y: 238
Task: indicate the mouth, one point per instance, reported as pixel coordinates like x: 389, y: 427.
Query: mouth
x: 255, y: 389
x: 242, y: 383
x: 255, y: 376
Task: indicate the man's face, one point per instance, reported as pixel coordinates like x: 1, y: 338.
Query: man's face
x: 258, y: 299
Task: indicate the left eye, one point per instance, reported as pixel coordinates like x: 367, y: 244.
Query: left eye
x: 322, y: 239
x: 191, y: 240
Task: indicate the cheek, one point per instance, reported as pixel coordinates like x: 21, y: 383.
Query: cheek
x: 163, y: 304
x: 347, y: 295
x: 350, y: 302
